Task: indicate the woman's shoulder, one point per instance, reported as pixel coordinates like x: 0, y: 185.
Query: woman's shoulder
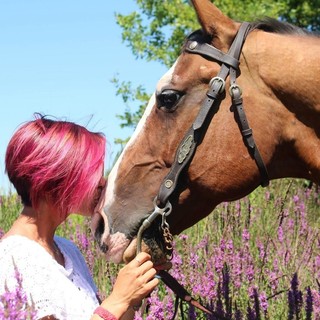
x: 13, y: 243
x: 20, y: 250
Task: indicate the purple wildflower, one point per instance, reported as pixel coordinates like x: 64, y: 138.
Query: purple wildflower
x: 309, y: 304
x: 263, y: 302
x: 280, y: 234
x: 14, y: 305
x: 245, y: 235
x: 294, y: 298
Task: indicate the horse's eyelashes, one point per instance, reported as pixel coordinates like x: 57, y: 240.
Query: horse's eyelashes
x: 168, y: 99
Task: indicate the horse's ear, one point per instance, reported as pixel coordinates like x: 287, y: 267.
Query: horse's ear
x: 220, y: 28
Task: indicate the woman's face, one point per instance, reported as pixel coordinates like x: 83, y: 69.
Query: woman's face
x: 89, y: 210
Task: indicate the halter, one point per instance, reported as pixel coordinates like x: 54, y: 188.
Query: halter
x: 184, y: 154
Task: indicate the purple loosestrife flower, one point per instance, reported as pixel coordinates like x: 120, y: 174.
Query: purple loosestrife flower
x: 192, y: 315
x: 295, y: 298
x: 219, y: 304
x: 183, y: 237
x: 251, y: 291
x: 263, y: 302
x: 223, y: 245
x: 309, y: 304
x: 256, y: 304
x: 193, y: 262
x: 236, y: 270
x: 176, y: 271
x: 316, y: 266
x: 238, y: 315
x: 295, y: 199
x: 291, y: 305
x: 316, y: 303
x: 208, y: 285
x: 250, y: 271
x: 290, y: 227
x: 14, y: 305
x: 245, y: 235
x: 280, y: 234
x: 229, y: 246
x: 156, y: 310
x: 226, y: 290
x: 267, y: 195
x: 261, y: 250
x: 219, y: 261
x: 250, y: 314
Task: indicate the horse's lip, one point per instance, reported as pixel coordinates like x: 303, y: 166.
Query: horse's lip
x: 151, y: 242
x: 131, y: 251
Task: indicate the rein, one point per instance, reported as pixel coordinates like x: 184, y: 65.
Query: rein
x: 186, y: 150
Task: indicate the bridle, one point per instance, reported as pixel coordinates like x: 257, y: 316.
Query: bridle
x: 187, y: 148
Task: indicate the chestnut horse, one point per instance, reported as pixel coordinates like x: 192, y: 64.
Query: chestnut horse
x: 278, y: 75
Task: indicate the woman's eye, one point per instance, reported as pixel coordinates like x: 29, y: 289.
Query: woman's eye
x: 168, y: 99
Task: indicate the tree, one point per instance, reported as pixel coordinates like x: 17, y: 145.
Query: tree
x: 158, y: 30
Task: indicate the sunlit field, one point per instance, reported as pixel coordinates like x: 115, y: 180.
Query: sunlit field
x: 257, y: 258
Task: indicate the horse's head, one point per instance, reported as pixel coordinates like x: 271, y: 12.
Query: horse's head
x: 222, y: 168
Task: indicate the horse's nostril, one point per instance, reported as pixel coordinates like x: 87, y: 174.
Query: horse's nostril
x: 104, y: 248
x: 98, y: 235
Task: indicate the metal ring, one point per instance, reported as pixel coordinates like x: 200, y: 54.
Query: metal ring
x: 219, y: 80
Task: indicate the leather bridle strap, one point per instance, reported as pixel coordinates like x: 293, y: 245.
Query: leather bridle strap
x: 229, y: 64
x: 184, y: 295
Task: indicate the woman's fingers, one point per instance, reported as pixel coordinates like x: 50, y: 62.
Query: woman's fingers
x: 149, y: 274
x: 142, y: 257
x: 149, y: 286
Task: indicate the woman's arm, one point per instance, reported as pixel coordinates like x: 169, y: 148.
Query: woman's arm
x: 134, y: 282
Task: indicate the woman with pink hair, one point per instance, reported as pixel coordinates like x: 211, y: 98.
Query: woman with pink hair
x: 57, y: 169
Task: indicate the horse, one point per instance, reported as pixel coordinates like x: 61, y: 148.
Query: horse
x: 262, y: 122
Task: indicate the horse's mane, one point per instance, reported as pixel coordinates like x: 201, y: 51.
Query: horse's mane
x: 266, y: 24
x: 275, y: 26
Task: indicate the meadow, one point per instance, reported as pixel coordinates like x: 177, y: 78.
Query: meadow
x: 256, y: 258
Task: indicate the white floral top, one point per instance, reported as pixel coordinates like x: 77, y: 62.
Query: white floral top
x: 64, y: 292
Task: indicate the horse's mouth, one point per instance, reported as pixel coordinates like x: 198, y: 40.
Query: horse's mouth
x: 152, y: 243
x: 120, y: 247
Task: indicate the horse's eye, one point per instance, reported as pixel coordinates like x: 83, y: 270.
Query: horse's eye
x: 168, y: 99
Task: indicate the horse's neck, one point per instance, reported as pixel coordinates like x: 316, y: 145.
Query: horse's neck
x: 290, y: 66
x: 289, y: 69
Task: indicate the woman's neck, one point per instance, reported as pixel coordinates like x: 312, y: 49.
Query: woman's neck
x: 39, y: 225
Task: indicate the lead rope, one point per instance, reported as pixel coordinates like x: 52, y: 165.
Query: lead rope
x: 181, y: 293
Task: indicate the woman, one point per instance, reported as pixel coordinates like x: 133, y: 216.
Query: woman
x: 57, y: 169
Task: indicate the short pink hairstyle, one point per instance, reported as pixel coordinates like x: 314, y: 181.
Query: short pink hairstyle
x: 58, y: 161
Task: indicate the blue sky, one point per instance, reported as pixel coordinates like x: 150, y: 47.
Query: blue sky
x: 58, y: 57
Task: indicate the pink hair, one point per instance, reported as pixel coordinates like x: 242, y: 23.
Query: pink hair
x: 58, y: 161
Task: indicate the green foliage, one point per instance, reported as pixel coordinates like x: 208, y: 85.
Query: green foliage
x: 157, y: 31
x: 128, y: 94
x: 10, y: 207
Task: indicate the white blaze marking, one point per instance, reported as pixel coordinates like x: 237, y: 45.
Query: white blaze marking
x: 167, y: 77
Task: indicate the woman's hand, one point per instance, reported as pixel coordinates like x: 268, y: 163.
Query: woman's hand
x: 134, y: 282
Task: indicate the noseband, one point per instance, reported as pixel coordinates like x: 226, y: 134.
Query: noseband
x: 187, y: 148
